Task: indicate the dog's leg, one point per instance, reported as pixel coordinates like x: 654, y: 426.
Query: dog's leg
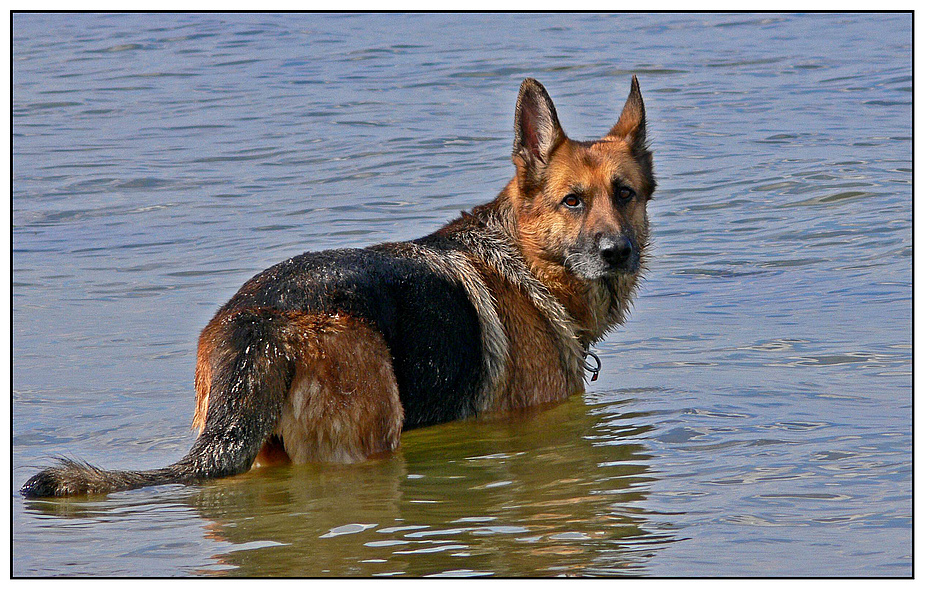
x: 343, y: 404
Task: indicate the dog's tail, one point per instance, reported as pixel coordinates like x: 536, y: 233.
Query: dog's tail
x: 71, y: 478
x: 250, y: 371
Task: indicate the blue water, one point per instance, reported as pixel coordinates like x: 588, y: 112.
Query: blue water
x: 753, y: 416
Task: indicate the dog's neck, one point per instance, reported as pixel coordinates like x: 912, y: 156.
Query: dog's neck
x: 594, y: 306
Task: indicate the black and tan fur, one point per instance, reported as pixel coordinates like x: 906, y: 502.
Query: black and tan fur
x: 328, y: 356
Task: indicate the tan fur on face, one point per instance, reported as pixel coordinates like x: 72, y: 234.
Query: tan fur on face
x: 546, y: 229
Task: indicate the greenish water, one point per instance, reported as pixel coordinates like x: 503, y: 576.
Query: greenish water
x: 460, y: 499
x: 753, y: 417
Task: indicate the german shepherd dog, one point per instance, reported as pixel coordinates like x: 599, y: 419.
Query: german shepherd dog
x: 328, y: 356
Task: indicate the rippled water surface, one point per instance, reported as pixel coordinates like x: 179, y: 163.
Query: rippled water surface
x: 754, y: 414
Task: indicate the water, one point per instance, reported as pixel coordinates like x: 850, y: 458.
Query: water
x: 753, y: 417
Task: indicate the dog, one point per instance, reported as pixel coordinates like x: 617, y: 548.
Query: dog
x: 329, y: 356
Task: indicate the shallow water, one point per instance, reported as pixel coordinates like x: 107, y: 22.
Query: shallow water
x: 754, y: 414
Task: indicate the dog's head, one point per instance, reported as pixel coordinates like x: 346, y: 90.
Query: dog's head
x: 581, y: 206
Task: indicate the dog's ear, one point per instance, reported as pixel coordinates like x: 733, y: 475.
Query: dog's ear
x: 536, y: 126
x: 631, y: 127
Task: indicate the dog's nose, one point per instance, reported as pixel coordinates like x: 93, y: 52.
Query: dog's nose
x: 616, y: 251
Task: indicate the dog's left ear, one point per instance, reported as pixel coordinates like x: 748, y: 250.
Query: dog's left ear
x: 631, y: 127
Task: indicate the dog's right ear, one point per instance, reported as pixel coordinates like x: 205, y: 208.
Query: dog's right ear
x: 536, y: 127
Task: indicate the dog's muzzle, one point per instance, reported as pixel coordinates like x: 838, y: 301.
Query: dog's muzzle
x: 603, y: 256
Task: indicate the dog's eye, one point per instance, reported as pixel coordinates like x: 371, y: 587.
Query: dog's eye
x: 571, y: 201
x: 624, y: 194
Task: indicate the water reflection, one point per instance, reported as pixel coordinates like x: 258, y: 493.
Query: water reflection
x: 554, y: 491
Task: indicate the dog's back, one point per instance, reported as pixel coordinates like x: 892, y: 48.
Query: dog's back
x: 406, y: 294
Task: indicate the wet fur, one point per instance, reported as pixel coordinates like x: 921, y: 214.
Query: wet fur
x: 328, y: 356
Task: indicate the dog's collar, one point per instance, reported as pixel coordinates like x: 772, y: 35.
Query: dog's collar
x: 594, y: 369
